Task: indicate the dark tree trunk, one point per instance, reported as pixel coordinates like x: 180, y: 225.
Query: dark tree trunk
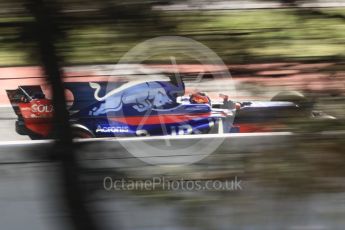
x: 46, y: 31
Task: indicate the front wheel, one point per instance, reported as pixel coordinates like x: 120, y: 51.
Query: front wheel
x: 290, y: 96
x: 305, y: 104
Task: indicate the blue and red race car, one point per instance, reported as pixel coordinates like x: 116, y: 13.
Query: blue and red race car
x: 144, y: 108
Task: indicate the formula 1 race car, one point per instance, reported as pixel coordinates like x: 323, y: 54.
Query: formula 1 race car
x: 143, y: 108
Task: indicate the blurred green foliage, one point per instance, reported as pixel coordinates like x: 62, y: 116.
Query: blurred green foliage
x: 238, y: 36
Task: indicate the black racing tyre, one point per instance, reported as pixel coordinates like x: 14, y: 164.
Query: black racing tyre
x: 81, y: 133
x: 304, y: 104
x: 35, y: 137
x: 291, y: 96
x: 296, y: 97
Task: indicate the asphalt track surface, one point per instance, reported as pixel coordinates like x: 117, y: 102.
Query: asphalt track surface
x: 30, y: 198
x: 7, y: 125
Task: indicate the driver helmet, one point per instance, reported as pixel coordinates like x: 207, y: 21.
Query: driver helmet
x: 199, y: 98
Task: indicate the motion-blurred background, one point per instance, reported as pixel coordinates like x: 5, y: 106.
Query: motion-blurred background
x: 289, y: 181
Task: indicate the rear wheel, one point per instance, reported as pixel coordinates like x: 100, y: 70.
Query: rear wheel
x: 35, y: 137
x: 81, y: 133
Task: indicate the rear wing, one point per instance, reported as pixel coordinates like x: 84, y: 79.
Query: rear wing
x: 23, y: 94
x: 15, y: 96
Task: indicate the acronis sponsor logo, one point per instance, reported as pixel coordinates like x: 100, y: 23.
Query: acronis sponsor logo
x: 112, y: 129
